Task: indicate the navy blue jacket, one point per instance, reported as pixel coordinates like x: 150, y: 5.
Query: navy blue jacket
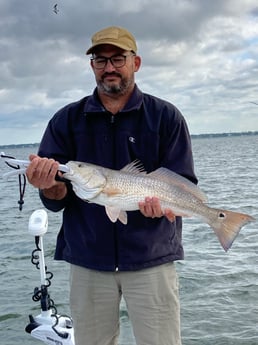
x: 148, y: 129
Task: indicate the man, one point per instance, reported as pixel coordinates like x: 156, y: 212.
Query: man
x: 112, y: 127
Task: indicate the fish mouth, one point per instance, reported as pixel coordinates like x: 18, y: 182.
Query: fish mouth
x: 69, y: 172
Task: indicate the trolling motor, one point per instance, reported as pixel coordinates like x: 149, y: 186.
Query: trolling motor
x: 48, y: 326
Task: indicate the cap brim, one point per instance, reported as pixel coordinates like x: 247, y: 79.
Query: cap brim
x: 92, y: 48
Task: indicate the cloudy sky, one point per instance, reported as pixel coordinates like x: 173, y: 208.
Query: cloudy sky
x: 201, y: 55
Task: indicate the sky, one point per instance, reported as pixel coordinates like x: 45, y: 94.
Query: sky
x: 200, y: 55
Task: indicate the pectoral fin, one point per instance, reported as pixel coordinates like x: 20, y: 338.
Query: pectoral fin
x: 111, y: 191
x: 114, y: 214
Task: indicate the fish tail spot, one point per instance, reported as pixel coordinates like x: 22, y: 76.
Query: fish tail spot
x: 227, y: 226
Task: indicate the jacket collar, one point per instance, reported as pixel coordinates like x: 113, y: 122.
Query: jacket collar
x: 93, y: 104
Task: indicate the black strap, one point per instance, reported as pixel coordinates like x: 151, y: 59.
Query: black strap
x: 21, y: 180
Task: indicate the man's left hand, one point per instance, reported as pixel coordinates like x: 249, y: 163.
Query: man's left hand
x: 150, y: 207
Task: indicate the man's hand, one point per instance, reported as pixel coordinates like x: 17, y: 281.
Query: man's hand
x: 150, y: 207
x: 41, y: 174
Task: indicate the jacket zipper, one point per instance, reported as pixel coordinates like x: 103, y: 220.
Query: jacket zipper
x: 113, y: 129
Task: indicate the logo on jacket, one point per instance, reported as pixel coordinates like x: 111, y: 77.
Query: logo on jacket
x: 132, y: 139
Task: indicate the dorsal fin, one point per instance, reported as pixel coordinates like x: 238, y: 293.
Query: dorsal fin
x: 135, y: 167
x: 171, y: 177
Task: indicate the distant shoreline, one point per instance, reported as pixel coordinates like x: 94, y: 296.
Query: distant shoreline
x: 219, y: 135
x: 193, y: 136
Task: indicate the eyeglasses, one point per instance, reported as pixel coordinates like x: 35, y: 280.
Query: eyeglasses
x: 119, y: 60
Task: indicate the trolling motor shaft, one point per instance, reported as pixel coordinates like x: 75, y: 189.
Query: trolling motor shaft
x: 48, y: 326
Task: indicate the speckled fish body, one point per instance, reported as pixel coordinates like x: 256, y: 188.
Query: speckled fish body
x: 122, y: 190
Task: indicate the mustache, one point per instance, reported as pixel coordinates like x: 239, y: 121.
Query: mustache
x: 110, y: 74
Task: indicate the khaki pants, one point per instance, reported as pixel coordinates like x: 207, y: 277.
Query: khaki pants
x: 151, y: 296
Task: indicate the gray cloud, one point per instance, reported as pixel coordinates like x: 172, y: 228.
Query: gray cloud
x: 199, y: 54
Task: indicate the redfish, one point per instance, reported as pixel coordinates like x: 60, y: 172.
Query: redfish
x: 122, y: 190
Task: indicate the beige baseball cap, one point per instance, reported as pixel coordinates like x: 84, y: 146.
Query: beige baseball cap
x: 114, y: 35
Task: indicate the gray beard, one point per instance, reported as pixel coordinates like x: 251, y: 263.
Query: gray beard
x: 120, y: 89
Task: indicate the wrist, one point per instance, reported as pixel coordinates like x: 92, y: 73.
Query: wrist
x: 57, y: 192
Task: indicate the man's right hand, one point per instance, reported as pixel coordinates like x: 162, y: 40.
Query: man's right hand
x: 41, y: 174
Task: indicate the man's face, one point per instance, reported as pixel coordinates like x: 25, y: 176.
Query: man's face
x: 115, y: 76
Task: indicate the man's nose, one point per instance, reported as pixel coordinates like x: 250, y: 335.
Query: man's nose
x: 109, y: 67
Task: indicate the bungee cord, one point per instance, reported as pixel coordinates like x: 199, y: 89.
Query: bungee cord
x: 21, y: 179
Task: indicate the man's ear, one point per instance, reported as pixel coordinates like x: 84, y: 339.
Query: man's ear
x: 137, y: 63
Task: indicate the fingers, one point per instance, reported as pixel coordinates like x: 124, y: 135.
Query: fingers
x: 150, y: 207
x: 32, y: 156
x: 170, y: 215
x: 42, y: 171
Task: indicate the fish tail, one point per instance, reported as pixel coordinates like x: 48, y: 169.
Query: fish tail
x: 227, y: 226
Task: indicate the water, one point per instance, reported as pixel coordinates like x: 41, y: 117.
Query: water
x: 219, y: 291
